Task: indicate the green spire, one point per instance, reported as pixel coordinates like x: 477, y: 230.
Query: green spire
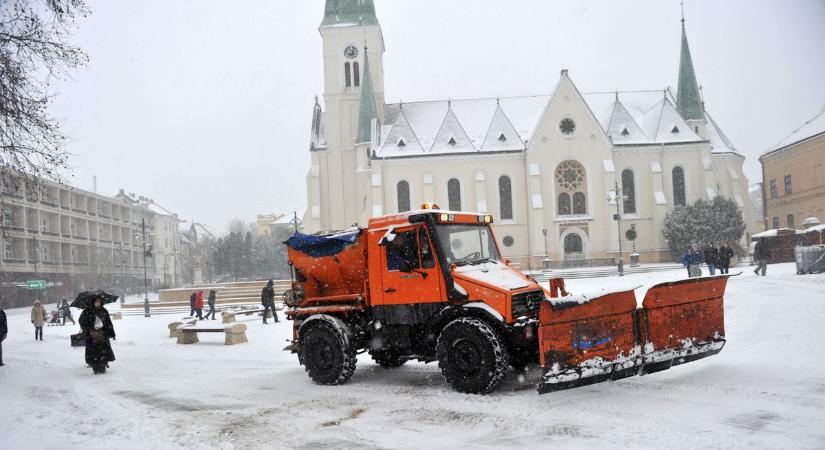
x: 349, y: 12
x: 366, y: 111
x: 688, y: 98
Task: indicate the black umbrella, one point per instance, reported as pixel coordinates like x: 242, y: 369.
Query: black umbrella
x: 87, y: 299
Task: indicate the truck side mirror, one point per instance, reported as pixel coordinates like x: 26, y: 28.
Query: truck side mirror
x: 404, y: 266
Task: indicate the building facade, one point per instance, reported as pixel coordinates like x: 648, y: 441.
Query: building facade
x: 794, y: 177
x: 543, y: 165
x: 77, y: 240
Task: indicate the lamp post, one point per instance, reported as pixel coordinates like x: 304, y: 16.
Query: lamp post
x: 546, y: 261
x: 617, y: 195
x: 145, y: 278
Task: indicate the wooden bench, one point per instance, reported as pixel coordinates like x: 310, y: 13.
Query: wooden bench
x: 235, y: 333
x: 228, y: 316
x: 173, y: 327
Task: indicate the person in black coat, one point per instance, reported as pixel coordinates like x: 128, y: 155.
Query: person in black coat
x: 192, y: 304
x: 97, y: 329
x: 211, y: 303
x: 4, y: 330
x: 711, y: 255
x: 268, y: 299
x: 761, y: 253
x: 725, y: 255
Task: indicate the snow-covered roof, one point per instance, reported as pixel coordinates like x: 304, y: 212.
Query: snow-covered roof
x: 811, y: 128
x: 506, y: 124
x: 287, y: 219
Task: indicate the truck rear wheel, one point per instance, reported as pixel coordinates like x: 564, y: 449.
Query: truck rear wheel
x: 388, y: 359
x: 471, y: 356
x: 326, y: 355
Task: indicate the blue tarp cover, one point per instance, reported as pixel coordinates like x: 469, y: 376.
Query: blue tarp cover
x: 319, y: 246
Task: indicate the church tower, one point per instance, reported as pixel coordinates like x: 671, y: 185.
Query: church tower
x: 353, y: 49
x: 689, y: 97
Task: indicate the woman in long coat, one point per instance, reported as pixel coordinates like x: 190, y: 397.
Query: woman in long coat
x: 97, y: 329
x: 38, y: 319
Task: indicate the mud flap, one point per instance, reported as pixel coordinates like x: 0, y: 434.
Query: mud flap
x: 585, y: 341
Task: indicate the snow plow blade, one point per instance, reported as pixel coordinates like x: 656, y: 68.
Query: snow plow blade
x: 585, y: 341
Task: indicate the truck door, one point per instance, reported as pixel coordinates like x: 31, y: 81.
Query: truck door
x: 410, y: 273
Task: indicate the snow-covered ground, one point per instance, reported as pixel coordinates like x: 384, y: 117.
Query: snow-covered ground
x: 765, y: 390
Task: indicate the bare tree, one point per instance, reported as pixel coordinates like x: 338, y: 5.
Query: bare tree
x: 34, y: 52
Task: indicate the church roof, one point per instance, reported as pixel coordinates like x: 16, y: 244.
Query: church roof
x: 366, y: 108
x: 506, y: 124
x: 811, y: 128
x: 349, y: 12
x: 689, y: 99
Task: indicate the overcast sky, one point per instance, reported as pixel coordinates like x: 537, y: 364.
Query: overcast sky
x: 205, y: 106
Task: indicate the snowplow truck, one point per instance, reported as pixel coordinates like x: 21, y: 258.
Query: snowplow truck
x: 431, y: 285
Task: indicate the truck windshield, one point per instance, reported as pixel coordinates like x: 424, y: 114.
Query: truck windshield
x: 467, y: 244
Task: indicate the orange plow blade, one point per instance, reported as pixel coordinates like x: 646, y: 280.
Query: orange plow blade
x: 589, y: 340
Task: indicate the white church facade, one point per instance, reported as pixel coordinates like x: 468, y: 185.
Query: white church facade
x: 542, y: 165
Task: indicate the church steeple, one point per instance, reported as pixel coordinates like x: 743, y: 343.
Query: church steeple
x: 688, y: 98
x: 366, y: 110
x: 349, y: 12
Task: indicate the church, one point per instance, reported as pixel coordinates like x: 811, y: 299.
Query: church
x: 546, y: 167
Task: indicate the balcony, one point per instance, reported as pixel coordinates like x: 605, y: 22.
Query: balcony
x: 14, y: 261
x: 50, y: 233
x: 49, y: 203
x: 84, y: 238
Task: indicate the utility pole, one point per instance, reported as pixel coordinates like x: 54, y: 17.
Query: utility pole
x: 618, y: 196
x: 145, y: 279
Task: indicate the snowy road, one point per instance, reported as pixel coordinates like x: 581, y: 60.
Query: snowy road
x: 765, y: 390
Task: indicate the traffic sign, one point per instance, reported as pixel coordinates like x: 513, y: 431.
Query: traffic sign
x: 36, y: 284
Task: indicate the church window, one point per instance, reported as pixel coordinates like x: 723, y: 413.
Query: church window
x: 564, y: 204
x: 508, y: 241
x: 629, y: 192
x: 579, y: 203
x: 567, y: 126
x: 675, y: 129
x: 401, y: 143
x: 625, y: 132
x: 347, y: 75
x: 356, y: 74
x: 502, y: 137
x: 505, y: 197
x: 571, y: 183
x: 403, y: 193
x: 454, y: 194
x: 678, y: 176
x: 573, y: 243
x: 452, y: 141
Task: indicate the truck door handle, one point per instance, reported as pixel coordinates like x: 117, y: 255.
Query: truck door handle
x: 389, y: 290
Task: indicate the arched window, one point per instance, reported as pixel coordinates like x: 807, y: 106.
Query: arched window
x: 678, y: 186
x: 356, y: 74
x: 564, y: 204
x: 629, y: 192
x: 403, y: 192
x: 573, y: 243
x: 505, y: 197
x: 347, y: 75
x: 571, y: 183
x: 579, y: 203
x: 454, y: 194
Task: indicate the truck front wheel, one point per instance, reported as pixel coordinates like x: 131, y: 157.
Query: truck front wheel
x: 325, y: 354
x: 471, y: 356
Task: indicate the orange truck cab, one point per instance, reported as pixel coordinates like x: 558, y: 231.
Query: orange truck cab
x: 431, y: 285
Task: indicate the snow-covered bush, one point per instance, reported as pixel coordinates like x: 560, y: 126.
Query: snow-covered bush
x: 702, y: 222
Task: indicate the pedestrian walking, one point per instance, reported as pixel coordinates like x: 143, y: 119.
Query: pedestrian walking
x: 211, y: 303
x: 268, y: 300
x: 691, y: 260
x: 199, y: 304
x: 192, y: 304
x: 67, y: 311
x: 725, y: 256
x: 761, y: 253
x: 4, y: 330
x: 38, y: 319
x: 97, y: 329
x: 711, y: 256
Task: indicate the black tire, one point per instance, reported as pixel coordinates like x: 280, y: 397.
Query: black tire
x: 471, y: 356
x: 388, y: 359
x: 325, y: 355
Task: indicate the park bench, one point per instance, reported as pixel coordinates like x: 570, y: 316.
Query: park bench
x: 173, y: 327
x: 229, y: 315
x: 235, y: 333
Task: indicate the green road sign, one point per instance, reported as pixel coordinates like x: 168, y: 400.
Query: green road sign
x: 36, y: 284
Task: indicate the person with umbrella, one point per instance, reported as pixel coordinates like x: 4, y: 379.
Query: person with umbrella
x: 97, y: 328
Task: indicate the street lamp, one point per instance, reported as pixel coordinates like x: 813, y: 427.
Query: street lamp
x: 546, y: 261
x: 614, y: 196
